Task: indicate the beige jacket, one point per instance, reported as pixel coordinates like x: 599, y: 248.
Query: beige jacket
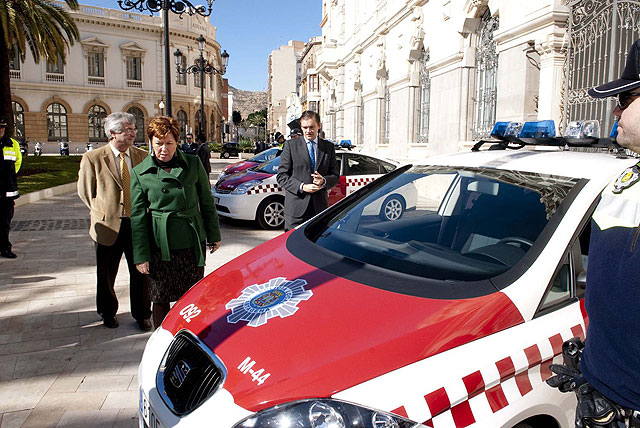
x: 100, y: 189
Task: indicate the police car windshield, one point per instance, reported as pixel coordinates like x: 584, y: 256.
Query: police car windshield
x: 443, y: 223
x: 265, y: 156
x: 270, y: 167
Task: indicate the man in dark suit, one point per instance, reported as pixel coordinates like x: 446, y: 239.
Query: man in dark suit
x: 103, y: 186
x: 307, y: 171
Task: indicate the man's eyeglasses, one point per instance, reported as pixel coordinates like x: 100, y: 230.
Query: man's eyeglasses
x: 626, y: 98
x: 128, y: 131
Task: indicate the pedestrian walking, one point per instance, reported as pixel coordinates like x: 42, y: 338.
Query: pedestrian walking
x: 104, y: 187
x: 204, y: 153
x: 307, y: 171
x: 9, y: 167
x: 608, y: 389
x: 188, y: 146
x: 173, y: 217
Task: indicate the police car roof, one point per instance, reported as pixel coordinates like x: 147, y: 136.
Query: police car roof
x: 573, y: 164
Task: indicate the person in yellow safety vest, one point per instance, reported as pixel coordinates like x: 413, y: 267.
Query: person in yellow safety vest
x: 9, y: 167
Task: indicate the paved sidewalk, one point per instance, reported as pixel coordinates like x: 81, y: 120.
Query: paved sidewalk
x: 59, y: 366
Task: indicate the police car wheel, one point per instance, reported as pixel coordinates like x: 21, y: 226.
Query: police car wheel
x: 270, y: 214
x: 226, y: 155
x: 392, y: 208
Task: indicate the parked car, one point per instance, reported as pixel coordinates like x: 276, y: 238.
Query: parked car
x: 256, y: 160
x: 230, y: 149
x: 256, y: 195
x: 448, y: 316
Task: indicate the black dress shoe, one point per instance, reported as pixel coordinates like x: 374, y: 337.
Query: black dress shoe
x: 145, y: 325
x: 8, y: 254
x: 111, y: 322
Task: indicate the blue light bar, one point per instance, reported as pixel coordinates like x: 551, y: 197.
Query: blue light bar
x: 499, y: 129
x: 614, y: 130
x: 539, y: 129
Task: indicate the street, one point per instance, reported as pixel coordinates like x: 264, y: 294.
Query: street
x: 59, y: 366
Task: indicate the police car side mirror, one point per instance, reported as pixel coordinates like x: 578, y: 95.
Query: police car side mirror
x: 582, y: 280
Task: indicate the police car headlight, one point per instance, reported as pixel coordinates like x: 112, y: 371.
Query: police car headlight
x: 244, y: 187
x: 324, y: 413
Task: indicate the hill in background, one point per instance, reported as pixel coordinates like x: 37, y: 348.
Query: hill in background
x: 247, y: 102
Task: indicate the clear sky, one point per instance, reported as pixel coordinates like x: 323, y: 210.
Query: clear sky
x: 250, y: 29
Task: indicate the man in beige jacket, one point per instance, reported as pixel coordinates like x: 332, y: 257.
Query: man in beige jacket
x: 103, y: 186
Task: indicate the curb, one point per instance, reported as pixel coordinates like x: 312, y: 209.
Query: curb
x: 45, y: 193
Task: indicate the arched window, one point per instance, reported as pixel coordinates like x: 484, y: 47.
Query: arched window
x: 181, y: 116
x: 56, y: 122
x: 425, y: 94
x: 484, y: 100
x: 139, y: 124
x: 97, y: 114
x: 212, y: 127
x: 196, y: 130
x: 18, y: 119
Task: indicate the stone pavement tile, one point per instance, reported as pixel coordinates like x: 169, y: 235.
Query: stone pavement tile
x: 59, y: 305
x: 66, y: 384
x: 23, y: 394
x: 14, y: 309
x: 41, y: 363
x: 98, y: 340
x: 104, y: 368
x: 102, y: 383
x: 121, y: 355
x: 140, y: 343
x: 130, y: 368
x: 56, y: 332
x: 10, y: 338
x: 24, y: 347
x: 65, y: 319
x: 43, y: 418
x: 7, y: 366
x: 52, y: 400
x: 66, y: 279
x: 65, y: 342
x: 133, y: 386
x: 88, y: 418
x: 14, y: 419
x: 121, y: 400
x: 127, y: 418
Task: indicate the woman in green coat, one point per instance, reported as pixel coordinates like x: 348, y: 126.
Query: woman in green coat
x: 173, y: 217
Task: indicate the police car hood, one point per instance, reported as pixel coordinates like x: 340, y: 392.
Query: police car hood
x: 286, y: 330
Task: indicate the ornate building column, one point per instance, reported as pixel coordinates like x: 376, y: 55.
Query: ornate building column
x: 552, y: 59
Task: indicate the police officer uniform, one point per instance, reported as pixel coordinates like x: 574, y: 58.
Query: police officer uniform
x: 9, y: 167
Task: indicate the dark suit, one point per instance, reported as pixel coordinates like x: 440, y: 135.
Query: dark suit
x: 100, y: 189
x: 295, y: 169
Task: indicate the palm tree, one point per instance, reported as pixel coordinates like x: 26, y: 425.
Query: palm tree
x: 46, y: 28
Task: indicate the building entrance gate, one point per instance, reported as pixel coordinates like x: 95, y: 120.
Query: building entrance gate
x: 600, y: 34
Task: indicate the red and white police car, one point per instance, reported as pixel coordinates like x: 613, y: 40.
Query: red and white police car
x: 447, y: 317
x: 253, y: 161
x: 256, y: 195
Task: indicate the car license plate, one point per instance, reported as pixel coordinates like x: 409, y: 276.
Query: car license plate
x: 216, y: 199
x: 147, y: 413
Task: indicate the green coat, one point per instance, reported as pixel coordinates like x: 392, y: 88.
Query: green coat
x: 174, y: 210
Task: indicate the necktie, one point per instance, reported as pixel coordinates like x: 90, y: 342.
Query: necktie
x: 312, y: 155
x: 126, y: 180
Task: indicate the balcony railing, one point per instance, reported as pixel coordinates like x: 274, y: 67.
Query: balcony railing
x: 134, y: 84
x: 95, y: 81
x: 55, y: 77
x: 14, y: 74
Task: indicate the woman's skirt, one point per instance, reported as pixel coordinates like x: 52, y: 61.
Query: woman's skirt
x: 169, y: 280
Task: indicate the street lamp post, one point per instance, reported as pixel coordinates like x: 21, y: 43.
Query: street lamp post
x: 161, y: 107
x: 176, y: 6
x: 202, y: 68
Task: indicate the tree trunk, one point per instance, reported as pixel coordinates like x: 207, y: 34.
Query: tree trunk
x: 5, y: 82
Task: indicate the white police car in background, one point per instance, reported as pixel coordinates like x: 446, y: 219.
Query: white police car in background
x: 446, y: 317
x: 256, y: 195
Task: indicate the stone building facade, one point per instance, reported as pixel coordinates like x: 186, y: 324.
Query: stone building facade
x: 414, y: 78
x: 117, y: 65
x: 284, y: 77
